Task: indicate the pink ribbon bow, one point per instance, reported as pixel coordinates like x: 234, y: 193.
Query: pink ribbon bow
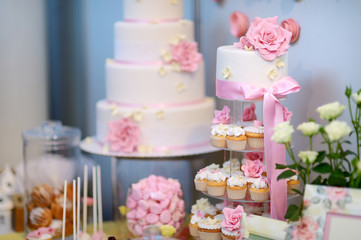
x: 272, y: 114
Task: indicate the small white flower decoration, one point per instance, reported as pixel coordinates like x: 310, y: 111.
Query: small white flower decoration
x: 144, y: 148
x: 356, y: 97
x: 154, y: 21
x: 336, y: 130
x: 175, y: 2
x: 183, y: 22
x: 128, y: 115
x: 280, y: 63
x: 161, y: 71
x: 105, y: 148
x: 181, y: 87
x: 160, y: 114
x: 89, y: 140
x: 176, y: 66
x: 177, y: 39
x: 272, y: 74
x: 166, y: 55
x: 248, y: 48
x: 227, y: 73
x: 137, y: 116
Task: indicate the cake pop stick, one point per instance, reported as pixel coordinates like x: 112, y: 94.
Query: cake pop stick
x: 78, y: 210
x: 85, y: 198
x: 100, y: 207
x: 64, y: 211
x: 95, y: 219
x: 74, y: 210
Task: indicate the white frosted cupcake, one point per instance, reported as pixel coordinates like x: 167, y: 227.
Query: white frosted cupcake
x: 216, y: 185
x: 236, y: 138
x: 227, y: 235
x: 203, y: 205
x: 210, y: 229
x: 255, y: 136
x: 293, y: 183
x: 193, y: 224
x: 212, y: 167
x: 232, y: 164
x: 236, y: 187
x: 219, y: 135
x: 259, y: 190
x: 200, y: 180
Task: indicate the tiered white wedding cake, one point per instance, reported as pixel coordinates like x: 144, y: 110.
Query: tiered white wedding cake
x: 155, y: 88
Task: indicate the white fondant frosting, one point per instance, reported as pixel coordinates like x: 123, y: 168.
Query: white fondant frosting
x: 152, y: 9
x: 181, y: 126
x: 142, y: 85
x: 248, y: 66
x: 144, y: 42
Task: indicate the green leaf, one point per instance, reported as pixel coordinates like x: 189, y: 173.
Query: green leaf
x: 354, y: 162
x: 281, y: 166
x: 347, y: 142
x: 296, y: 191
x: 311, y: 120
x: 323, y: 168
x: 286, y: 174
x: 346, y: 174
x: 321, y: 155
x: 334, y: 155
x: 317, y: 181
x: 348, y: 152
x: 293, y: 213
x: 337, y: 179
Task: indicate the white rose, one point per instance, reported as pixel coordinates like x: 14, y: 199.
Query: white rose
x: 336, y: 130
x: 356, y: 97
x: 330, y: 111
x: 308, y: 156
x: 309, y: 128
x: 359, y: 165
x: 283, y: 133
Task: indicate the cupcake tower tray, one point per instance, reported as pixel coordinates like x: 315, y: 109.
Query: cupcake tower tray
x: 246, y: 200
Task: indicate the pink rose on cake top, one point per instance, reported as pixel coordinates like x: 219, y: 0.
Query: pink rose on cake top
x: 155, y: 201
x: 268, y: 38
x: 253, y: 169
x: 123, y: 135
x: 222, y: 116
x: 187, y: 55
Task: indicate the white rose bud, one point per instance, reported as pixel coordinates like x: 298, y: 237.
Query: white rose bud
x: 283, y: 133
x: 309, y: 128
x: 356, y: 97
x: 359, y: 166
x: 330, y: 111
x: 308, y: 156
x: 336, y: 130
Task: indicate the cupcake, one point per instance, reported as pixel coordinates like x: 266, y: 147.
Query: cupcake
x: 41, y: 234
x: 259, y: 190
x: 200, y: 180
x: 255, y: 135
x: 216, y: 185
x: 39, y: 217
x: 293, y: 183
x: 193, y: 224
x: 219, y: 135
x: 42, y: 195
x: 212, y: 167
x: 232, y: 164
x: 210, y: 229
x: 236, y: 139
x: 236, y: 187
x: 204, y: 206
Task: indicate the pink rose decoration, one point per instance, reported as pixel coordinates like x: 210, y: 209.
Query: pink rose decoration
x: 187, y: 55
x: 268, y: 37
x: 233, y: 218
x: 306, y: 230
x: 123, y: 135
x: 242, y: 43
x: 222, y: 116
x: 292, y: 26
x: 40, y: 232
x: 249, y: 113
x: 239, y: 24
x: 286, y: 114
x: 254, y: 156
x: 253, y: 169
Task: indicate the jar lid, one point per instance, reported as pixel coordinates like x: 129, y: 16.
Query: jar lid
x: 52, y: 133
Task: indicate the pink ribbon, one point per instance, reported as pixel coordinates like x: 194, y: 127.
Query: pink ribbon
x: 272, y: 114
x: 169, y: 20
x: 157, y: 105
x: 148, y: 63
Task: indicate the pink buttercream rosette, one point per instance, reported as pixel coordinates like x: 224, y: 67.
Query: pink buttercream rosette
x: 155, y: 201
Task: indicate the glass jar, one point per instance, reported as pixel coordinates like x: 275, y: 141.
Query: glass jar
x: 51, y: 154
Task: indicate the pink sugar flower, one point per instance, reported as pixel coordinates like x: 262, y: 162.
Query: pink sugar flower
x: 239, y: 24
x: 249, y: 113
x: 306, y: 230
x: 233, y: 218
x: 292, y: 26
x: 268, y: 37
x: 253, y: 169
x: 123, y: 135
x: 222, y: 116
x: 254, y: 156
x: 242, y: 43
x: 187, y: 55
